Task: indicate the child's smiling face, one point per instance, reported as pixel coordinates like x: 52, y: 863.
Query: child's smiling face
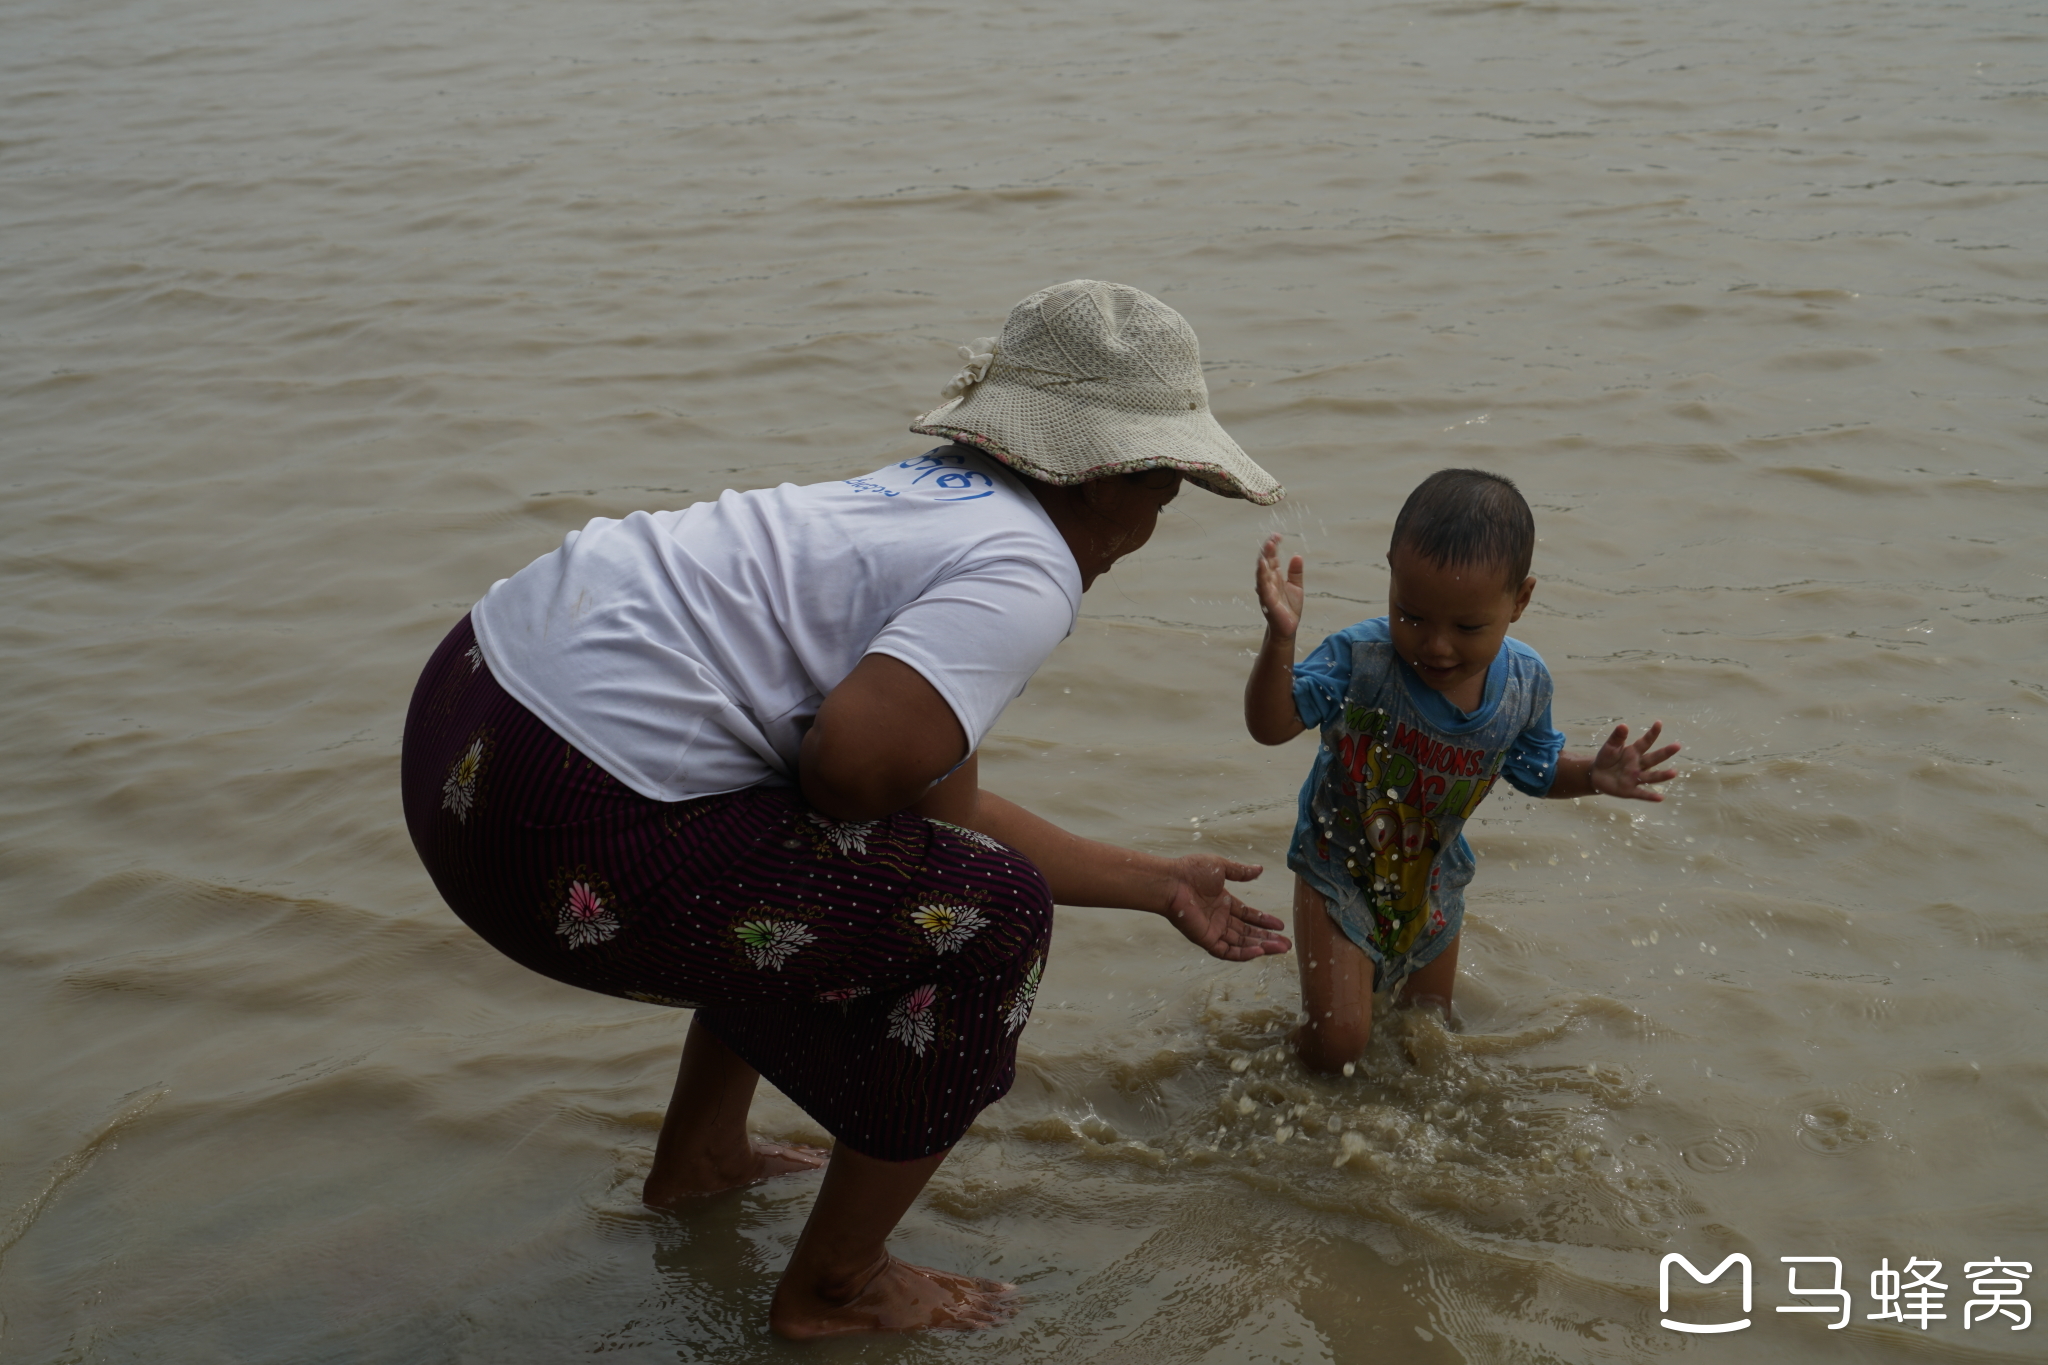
x: 1448, y: 621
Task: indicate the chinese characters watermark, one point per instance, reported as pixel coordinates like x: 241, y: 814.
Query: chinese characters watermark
x: 1910, y: 1295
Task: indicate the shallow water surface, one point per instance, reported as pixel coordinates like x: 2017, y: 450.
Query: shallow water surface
x: 318, y: 321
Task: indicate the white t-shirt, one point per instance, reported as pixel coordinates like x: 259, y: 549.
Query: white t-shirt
x: 686, y: 652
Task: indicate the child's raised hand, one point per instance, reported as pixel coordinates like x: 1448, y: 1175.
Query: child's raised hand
x: 1280, y: 598
x: 1630, y: 770
x: 1269, y: 712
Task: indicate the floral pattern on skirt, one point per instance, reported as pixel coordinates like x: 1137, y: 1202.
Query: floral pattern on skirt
x: 877, y: 971
x: 767, y: 942
x: 458, y: 789
x: 588, y: 912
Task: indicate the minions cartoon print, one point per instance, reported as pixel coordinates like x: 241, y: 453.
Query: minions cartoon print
x: 1394, y: 783
x: 1398, y: 773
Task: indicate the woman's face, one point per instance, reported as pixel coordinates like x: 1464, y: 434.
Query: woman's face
x: 1120, y: 515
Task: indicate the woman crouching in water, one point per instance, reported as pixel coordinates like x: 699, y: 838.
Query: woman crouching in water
x: 723, y: 759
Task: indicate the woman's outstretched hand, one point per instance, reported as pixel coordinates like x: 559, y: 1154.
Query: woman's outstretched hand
x: 1210, y: 917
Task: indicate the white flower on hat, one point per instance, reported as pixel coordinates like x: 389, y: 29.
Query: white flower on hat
x: 979, y: 357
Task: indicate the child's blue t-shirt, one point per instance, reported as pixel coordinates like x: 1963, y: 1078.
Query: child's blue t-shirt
x: 1399, y: 771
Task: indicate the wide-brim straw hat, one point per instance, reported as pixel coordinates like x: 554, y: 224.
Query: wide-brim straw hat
x: 1091, y: 379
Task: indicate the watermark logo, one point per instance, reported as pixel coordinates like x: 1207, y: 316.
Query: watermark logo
x: 1913, y: 1295
x: 1833, y: 1290
x: 1910, y: 1295
x: 2000, y: 1280
x: 1664, y: 1291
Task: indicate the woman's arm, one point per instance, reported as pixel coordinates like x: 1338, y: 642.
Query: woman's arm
x: 882, y: 737
x: 1191, y: 893
x: 885, y: 741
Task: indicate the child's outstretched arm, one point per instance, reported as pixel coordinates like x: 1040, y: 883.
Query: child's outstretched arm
x: 1269, y: 693
x: 1619, y: 769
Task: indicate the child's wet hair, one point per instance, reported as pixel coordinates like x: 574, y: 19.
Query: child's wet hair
x: 1457, y: 517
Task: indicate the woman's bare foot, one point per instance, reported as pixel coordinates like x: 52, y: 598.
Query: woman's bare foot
x: 681, y: 1181
x: 897, y: 1297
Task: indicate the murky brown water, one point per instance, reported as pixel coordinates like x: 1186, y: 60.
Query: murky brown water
x: 316, y: 320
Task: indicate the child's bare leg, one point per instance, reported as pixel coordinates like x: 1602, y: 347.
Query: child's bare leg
x: 704, y: 1146
x: 842, y: 1280
x: 1431, y: 985
x: 1336, y: 987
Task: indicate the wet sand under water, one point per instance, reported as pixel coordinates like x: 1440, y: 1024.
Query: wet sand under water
x: 315, y: 324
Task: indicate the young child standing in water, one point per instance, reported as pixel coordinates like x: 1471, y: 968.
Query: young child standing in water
x: 1421, y: 711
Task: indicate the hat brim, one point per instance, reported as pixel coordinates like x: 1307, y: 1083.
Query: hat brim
x: 1057, y: 438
